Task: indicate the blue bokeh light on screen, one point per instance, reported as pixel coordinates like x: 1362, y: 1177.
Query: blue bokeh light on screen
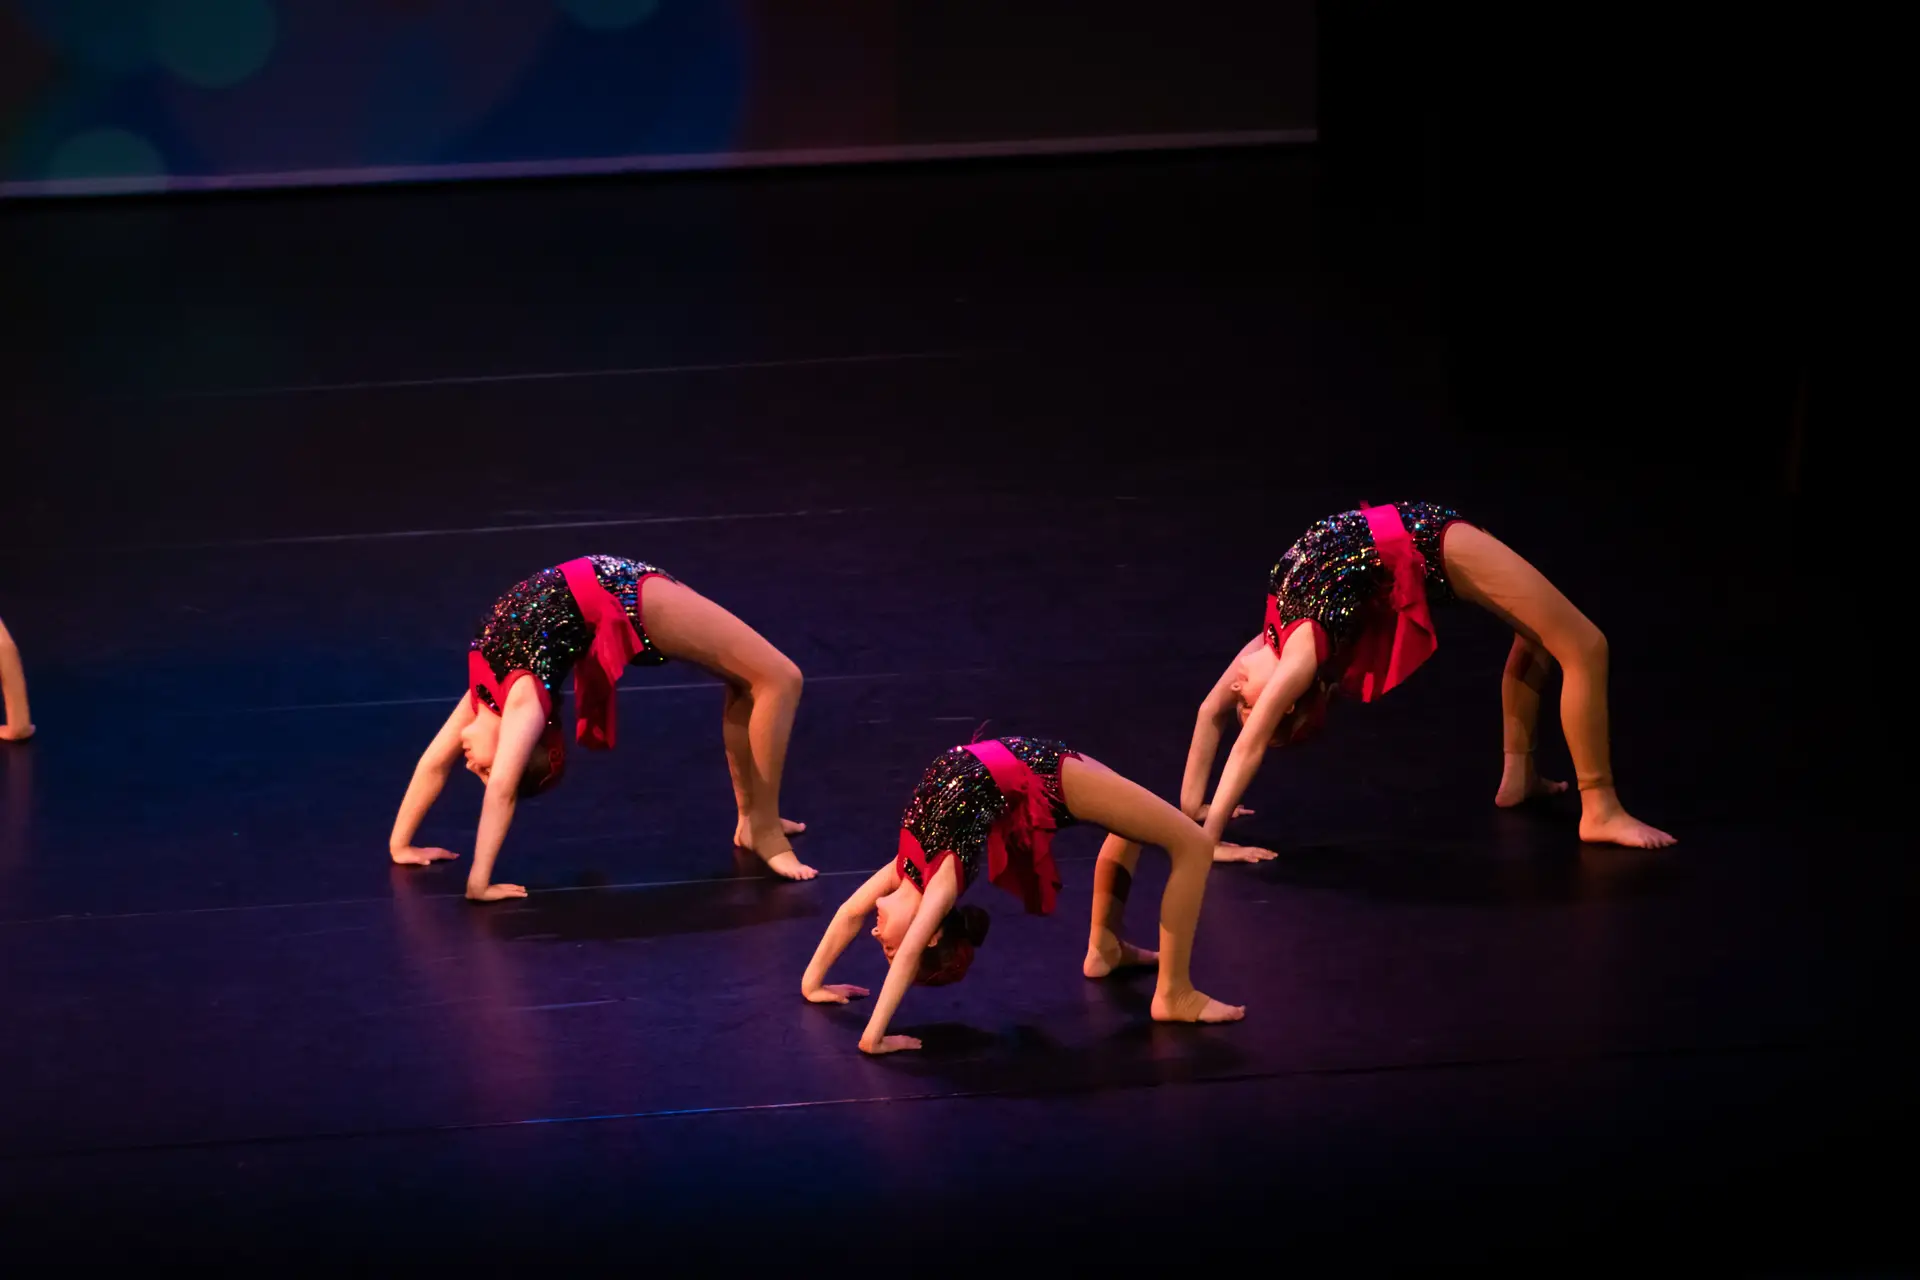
x: 610, y: 15
x: 105, y: 153
x: 244, y: 91
x: 214, y: 43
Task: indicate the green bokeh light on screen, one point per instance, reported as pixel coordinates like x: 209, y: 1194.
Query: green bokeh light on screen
x: 609, y: 15
x: 105, y: 153
x: 214, y: 43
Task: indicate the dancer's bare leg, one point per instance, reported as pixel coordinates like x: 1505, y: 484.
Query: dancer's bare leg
x: 1488, y: 573
x: 1096, y: 794
x: 763, y: 695
x: 18, y: 726
x: 736, y: 722
x: 1529, y: 667
x: 1107, y: 951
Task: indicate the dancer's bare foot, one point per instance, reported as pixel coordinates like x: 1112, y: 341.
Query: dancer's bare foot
x: 743, y: 831
x: 774, y: 850
x: 10, y: 734
x: 785, y: 864
x: 1194, y: 1007
x: 1110, y: 955
x: 1520, y: 782
x: 1623, y: 828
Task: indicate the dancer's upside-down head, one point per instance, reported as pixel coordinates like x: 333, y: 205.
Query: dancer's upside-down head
x: 949, y: 954
x: 1302, y: 719
x: 545, y: 767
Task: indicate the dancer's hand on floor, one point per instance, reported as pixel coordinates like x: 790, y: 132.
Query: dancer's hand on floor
x: 415, y: 856
x: 1239, y: 811
x: 836, y: 993
x: 1224, y: 852
x: 890, y: 1044
x: 496, y: 892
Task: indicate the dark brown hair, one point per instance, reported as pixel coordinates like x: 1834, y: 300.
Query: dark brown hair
x: 546, y: 765
x: 1308, y: 716
x: 948, y: 959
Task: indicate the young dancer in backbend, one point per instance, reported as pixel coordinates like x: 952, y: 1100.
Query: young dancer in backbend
x: 1347, y: 611
x: 989, y: 809
x: 587, y: 616
x: 18, y: 726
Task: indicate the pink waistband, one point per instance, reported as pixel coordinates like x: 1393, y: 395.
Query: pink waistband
x: 1398, y: 635
x: 598, y: 670
x: 1020, y: 844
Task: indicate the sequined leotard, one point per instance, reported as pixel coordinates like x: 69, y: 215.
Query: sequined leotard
x: 954, y: 808
x: 1334, y: 571
x: 538, y: 628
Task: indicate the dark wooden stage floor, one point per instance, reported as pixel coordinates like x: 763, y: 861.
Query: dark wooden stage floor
x: 1008, y: 444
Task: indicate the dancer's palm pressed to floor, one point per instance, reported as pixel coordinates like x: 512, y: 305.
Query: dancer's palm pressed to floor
x: 1224, y: 852
x: 889, y: 1044
x: 418, y: 856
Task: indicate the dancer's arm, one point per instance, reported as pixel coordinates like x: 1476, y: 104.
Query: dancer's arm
x: 847, y: 922
x: 521, y: 725
x: 1216, y: 713
x: 1289, y: 682
x: 436, y: 762
x: 934, y: 905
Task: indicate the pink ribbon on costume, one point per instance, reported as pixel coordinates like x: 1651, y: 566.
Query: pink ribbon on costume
x: 597, y: 672
x: 1025, y: 829
x: 1396, y: 638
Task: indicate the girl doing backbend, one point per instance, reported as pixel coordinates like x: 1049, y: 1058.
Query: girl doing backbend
x: 595, y: 616
x: 1347, y: 612
x: 989, y: 810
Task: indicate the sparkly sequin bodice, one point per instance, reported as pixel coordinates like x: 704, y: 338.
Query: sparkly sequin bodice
x: 1334, y: 571
x: 957, y: 803
x: 537, y: 626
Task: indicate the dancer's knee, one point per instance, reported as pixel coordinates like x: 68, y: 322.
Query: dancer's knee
x: 1190, y: 850
x: 781, y: 678
x: 1526, y: 658
x: 1122, y: 853
x: 1580, y: 647
x: 1590, y: 647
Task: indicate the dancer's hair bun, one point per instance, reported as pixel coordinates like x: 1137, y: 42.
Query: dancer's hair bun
x: 546, y: 765
x: 972, y: 922
x: 948, y: 960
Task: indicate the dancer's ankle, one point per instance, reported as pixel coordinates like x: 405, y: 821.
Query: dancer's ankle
x: 1599, y: 801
